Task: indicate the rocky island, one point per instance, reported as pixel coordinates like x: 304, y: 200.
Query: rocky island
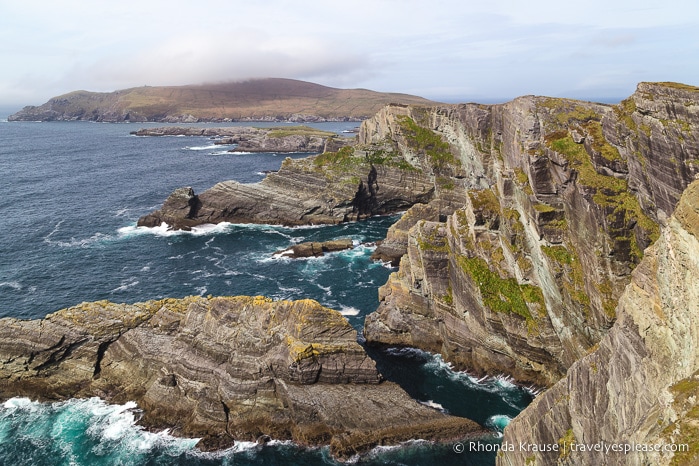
x: 525, y: 244
x: 224, y: 369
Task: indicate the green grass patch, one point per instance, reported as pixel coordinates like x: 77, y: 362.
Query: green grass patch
x: 284, y: 131
x: 502, y: 295
x: 610, y: 192
x: 485, y: 200
x: 427, y: 142
x: 569, y: 260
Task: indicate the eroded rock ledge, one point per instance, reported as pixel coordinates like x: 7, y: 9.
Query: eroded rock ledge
x: 223, y: 369
x: 330, y: 188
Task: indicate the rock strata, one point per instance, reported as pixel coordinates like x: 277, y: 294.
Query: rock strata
x: 640, y: 385
x: 223, y: 369
x: 539, y: 217
x: 330, y: 188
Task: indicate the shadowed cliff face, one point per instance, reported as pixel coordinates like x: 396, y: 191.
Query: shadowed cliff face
x: 329, y: 188
x: 640, y: 385
x: 552, y: 202
x: 224, y: 369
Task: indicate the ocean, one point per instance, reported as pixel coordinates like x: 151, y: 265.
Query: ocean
x: 72, y: 194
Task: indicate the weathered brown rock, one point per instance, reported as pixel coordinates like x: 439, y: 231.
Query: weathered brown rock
x: 315, y: 249
x: 224, y: 369
x: 315, y: 190
x: 640, y: 386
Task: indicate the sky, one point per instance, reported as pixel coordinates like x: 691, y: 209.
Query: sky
x: 450, y: 51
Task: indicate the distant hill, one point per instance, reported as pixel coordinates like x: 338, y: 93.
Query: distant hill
x: 270, y: 99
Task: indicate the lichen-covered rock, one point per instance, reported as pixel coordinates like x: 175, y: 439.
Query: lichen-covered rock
x: 640, y: 385
x: 223, y: 369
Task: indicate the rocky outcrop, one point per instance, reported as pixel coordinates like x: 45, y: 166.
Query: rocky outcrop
x: 250, y: 139
x: 549, y: 211
x: 330, y: 188
x: 223, y: 369
x: 315, y: 248
x: 640, y: 386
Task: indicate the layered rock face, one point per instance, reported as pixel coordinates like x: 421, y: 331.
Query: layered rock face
x: 550, y: 205
x: 224, y: 369
x: 640, y: 386
x: 330, y: 188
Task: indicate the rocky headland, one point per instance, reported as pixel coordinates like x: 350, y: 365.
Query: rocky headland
x: 224, y: 369
x: 529, y: 220
x: 330, y: 188
x: 283, y: 139
x: 270, y: 99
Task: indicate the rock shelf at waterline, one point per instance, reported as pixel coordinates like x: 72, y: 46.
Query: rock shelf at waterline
x: 224, y: 369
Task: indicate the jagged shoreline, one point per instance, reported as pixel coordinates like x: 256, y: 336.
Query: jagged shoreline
x: 527, y: 223
x: 280, y: 139
x: 224, y: 369
x: 538, y: 212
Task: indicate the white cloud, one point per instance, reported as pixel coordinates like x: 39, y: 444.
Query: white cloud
x: 497, y: 48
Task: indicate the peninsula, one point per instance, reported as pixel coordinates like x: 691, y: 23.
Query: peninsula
x: 271, y: 99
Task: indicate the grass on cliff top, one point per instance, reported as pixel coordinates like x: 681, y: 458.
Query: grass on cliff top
x: 345, y: 160
x: 283, y: 131
x: 425, y: 141
x: 684, y: 87
x: 566, y: 111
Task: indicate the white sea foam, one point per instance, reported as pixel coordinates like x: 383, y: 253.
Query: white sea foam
x: 433, y: 405
x: 125, y: 285
x: 113, y: 426
x: 348, y: 310
x: 164, y: 230
x: 498, y: 421
x: 197, y: 148
x: 17, y: 286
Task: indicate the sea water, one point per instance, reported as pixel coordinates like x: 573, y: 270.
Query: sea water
x: 72, y: 192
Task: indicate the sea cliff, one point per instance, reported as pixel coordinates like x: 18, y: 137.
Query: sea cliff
x: 639, y: 386
x: 560, y: 198
x: 528, y: 217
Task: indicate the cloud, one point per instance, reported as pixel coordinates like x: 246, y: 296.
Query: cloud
x: 197, y: 58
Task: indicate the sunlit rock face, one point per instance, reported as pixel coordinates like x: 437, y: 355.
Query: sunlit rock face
x: 639, y: 385
x: 542, y: 209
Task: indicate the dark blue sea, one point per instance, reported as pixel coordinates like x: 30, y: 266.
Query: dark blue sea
x: 72, y: 192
